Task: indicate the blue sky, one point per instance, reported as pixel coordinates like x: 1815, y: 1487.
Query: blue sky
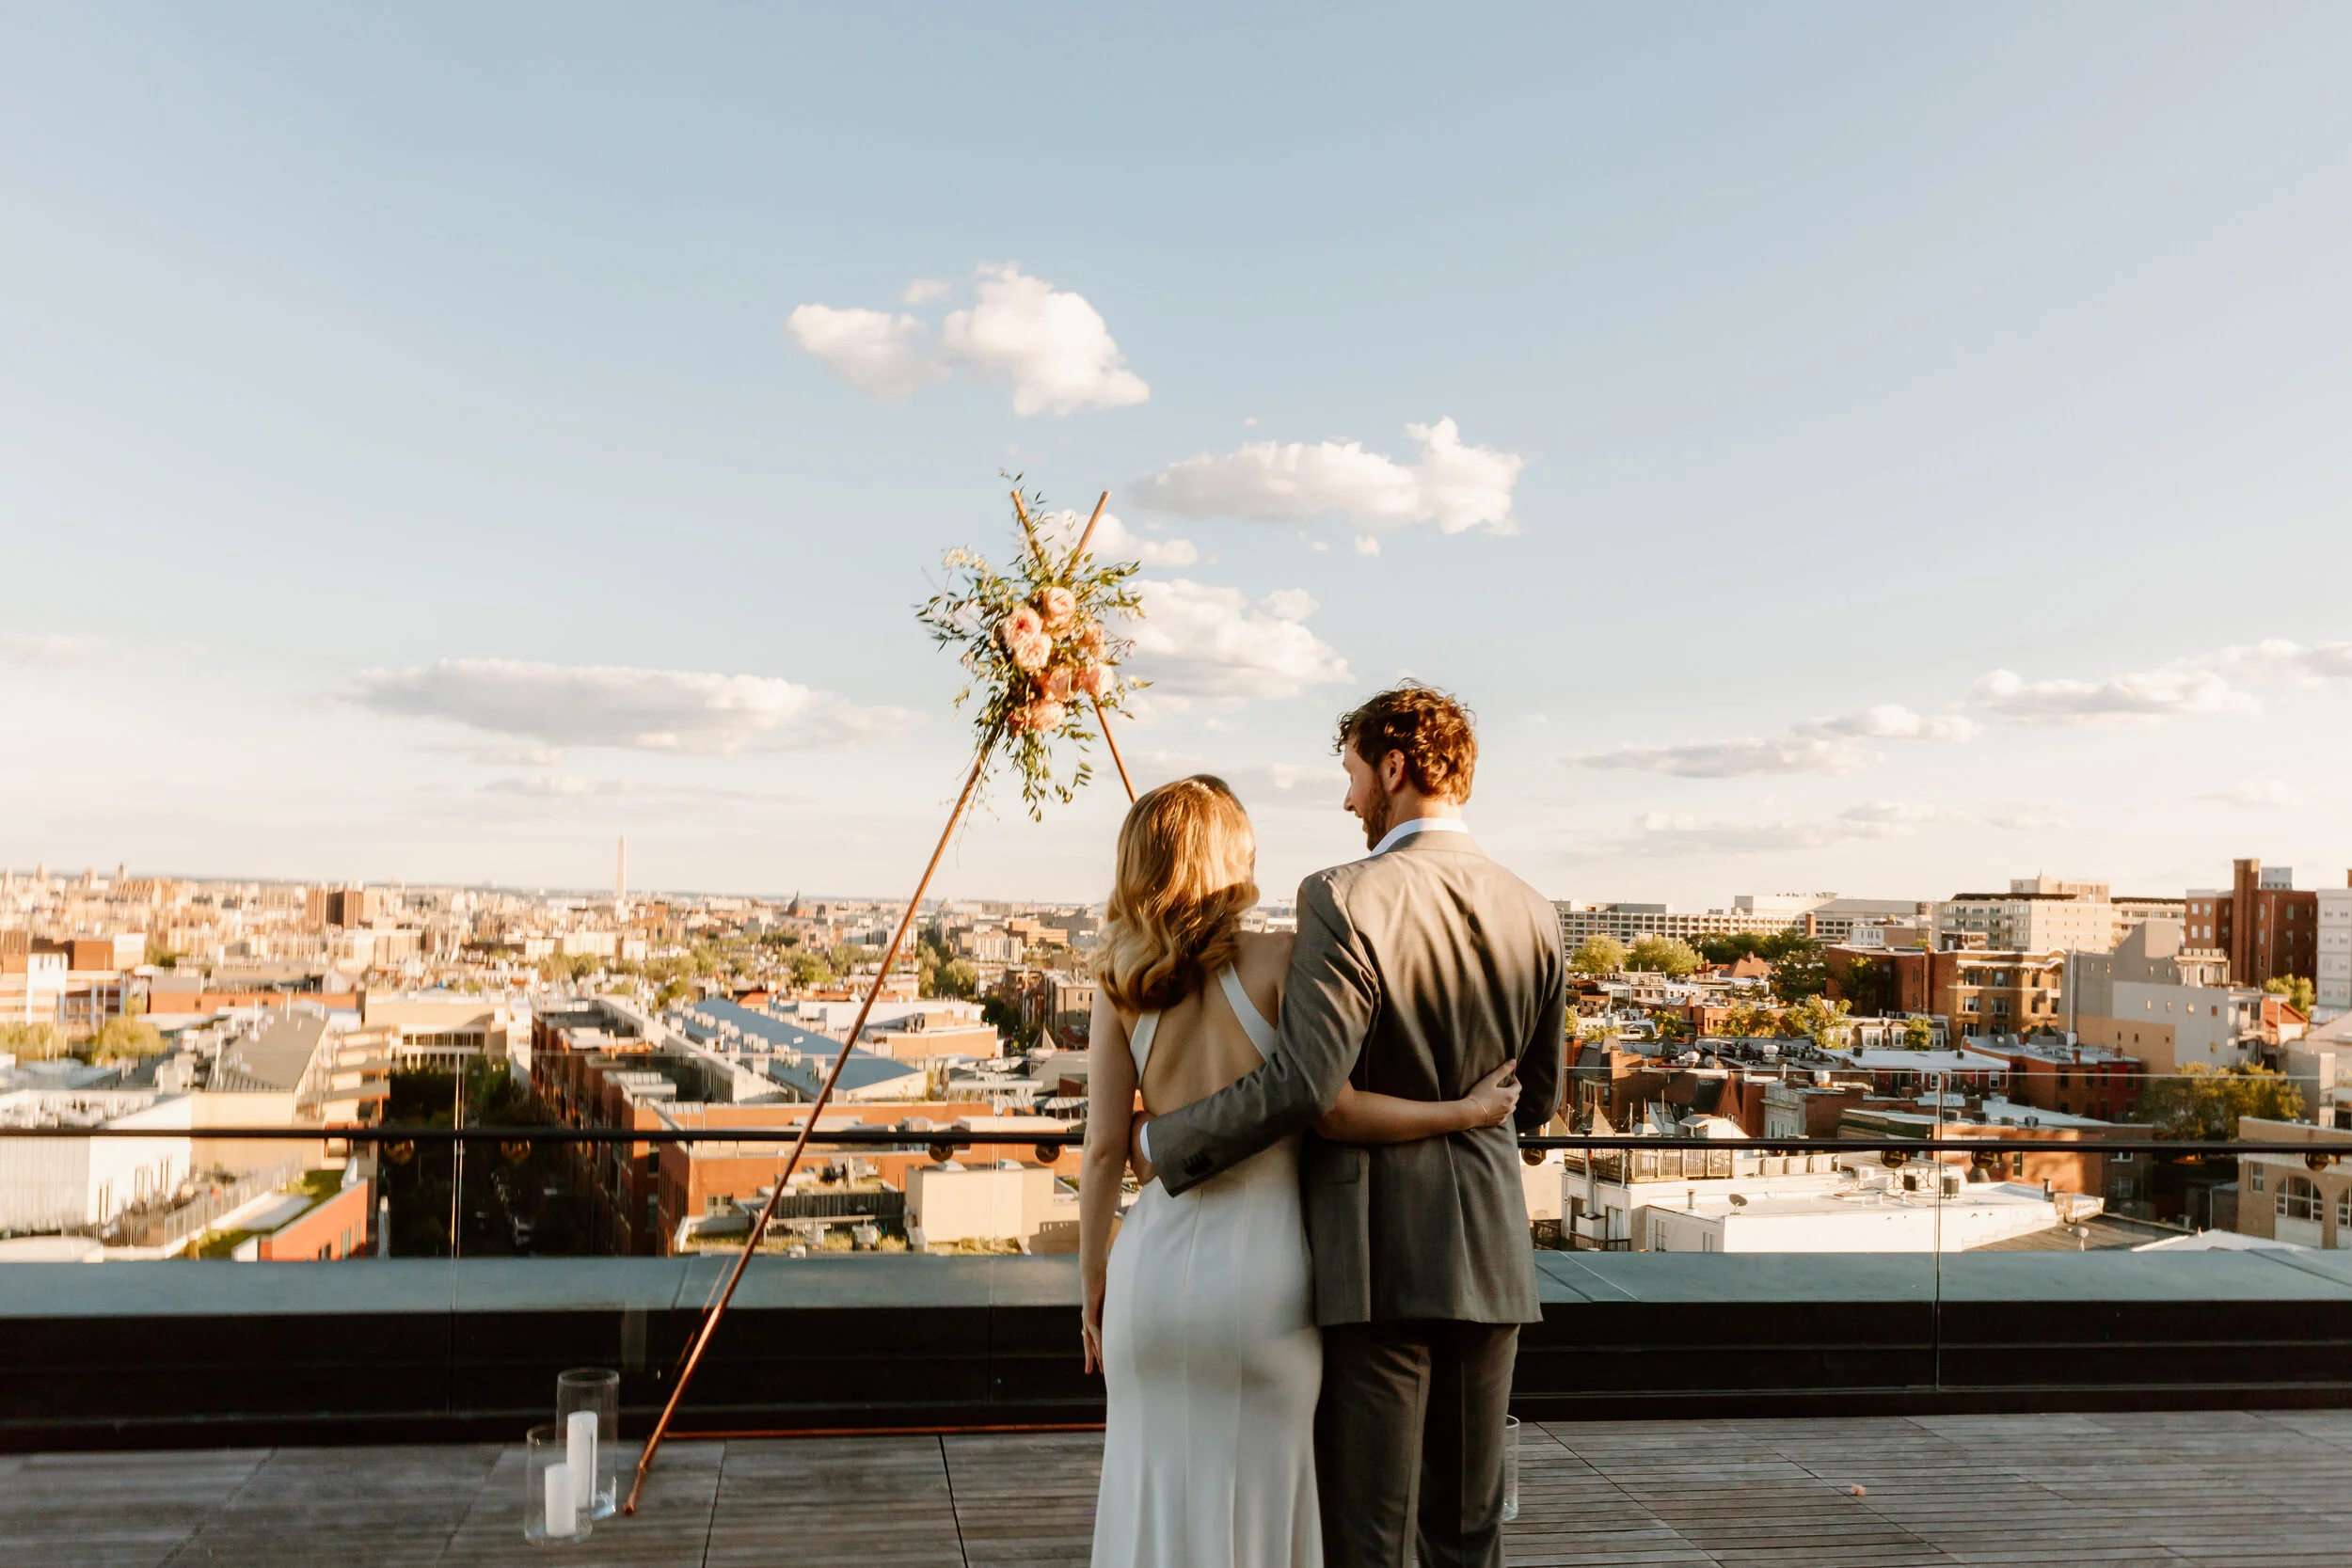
x: 371, y: 387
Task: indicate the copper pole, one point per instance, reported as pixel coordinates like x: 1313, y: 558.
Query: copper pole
x: 1104, y: 720
x: 808, y: 1127
x: 1100, y: 717
x: 1087, y: 537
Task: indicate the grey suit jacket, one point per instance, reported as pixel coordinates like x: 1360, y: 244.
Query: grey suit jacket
x: 1417, y: 973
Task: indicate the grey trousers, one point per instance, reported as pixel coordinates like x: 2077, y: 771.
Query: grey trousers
x: 1408, y: 1442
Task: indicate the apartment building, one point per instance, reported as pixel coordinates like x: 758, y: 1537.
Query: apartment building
x: 2164, y: 1001
x: 1630, y: 923
x: 2265, y: 927
x: 1976, y: 992
x: 2044, y: 914
x: 2332, y: 971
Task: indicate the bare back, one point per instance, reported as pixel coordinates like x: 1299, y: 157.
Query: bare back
x: 1200, y: 1046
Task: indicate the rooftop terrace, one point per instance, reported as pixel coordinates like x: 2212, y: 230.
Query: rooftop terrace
x: 2211, y: 1487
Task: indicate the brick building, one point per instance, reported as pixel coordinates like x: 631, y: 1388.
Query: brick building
x: 1978, y: 992
x: 2265, y: 927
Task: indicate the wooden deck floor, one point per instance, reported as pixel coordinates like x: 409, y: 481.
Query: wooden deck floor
x: 2222, y: 1487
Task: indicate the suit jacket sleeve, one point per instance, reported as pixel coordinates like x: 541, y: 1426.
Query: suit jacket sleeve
x: 1328, y: 1008
x: 1543, y: 1063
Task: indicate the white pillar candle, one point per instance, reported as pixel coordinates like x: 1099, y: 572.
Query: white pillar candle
x: 563, y: 1508
x: 580, y: 1452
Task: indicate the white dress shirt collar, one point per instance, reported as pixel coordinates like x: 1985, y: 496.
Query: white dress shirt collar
x: 1407, y: 828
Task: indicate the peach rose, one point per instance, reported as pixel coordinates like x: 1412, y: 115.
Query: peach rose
x: 1093, y: 679
x: 1058, y: 605
x: 1030, y: 653
x: 1089, y: 641
x: 1019, y: 626
x: 1046, y: 715
x: 1056, y: 683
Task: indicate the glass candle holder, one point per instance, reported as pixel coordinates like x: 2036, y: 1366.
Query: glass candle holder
x: 551, y: 1511
x: 1510, y: 1468
x: 594, y: 1447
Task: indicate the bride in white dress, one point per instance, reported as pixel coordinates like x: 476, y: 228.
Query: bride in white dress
x: 1199, y: 1315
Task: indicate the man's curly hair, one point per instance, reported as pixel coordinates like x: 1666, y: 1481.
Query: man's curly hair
x: 1437, y: 734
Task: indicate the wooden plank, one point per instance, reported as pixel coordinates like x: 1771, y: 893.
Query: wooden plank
x: 2241, y: 1487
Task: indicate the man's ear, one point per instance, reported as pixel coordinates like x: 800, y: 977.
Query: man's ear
x: 1393, y: 771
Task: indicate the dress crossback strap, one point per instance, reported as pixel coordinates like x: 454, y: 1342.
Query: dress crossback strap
x: 1139, y: 1041
x: 1253, y: 1023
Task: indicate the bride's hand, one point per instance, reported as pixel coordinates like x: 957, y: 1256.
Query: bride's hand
x: 1090, y: 1326
x: 1496, y: 1097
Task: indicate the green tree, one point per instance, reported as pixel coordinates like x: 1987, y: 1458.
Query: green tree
x: 1750, y: 1021
x: 1827, y: 1023
x: 957, y: 977
x: 127, y: 1037
x: 2204, y: 1103
x: 2298, y: 990
x: 1859, y: 984
x: 31, y: 1040
x: 1731, y: 947
x: 1664, y: 955
x: 1919, y: 1034
x: 1798, y: 971
x: 1597, y: 956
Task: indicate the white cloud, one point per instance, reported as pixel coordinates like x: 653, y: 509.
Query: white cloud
x: 53, y: 650
x: 1452, y: 485
x: 657, y: 710
x: 2028, y: 819
x: 1749, y: 758
x: 2283, y: 662
x: 1050, y: 345
x: 1114, y: 541
x: 1664, y: 834
x: 1894, y: 722
x: 2210, y: 683
x: 1199, y: 642
x: 887, y: 357
x: 1260, y: 786
x: 2259, y: 794
x: 2148, y: 697
x: 1290, y: 604
x: 555, y: 787
x: 1825, y: 746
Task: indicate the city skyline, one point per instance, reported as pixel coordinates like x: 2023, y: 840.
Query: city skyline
x: 1892, y: 453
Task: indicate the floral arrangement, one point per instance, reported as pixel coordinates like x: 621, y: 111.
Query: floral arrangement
x: 1037, y: 647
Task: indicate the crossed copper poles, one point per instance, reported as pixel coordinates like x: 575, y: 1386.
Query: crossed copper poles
x: 890, y: 955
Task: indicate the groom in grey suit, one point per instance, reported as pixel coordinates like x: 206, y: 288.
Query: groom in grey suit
x: 1417, y: 970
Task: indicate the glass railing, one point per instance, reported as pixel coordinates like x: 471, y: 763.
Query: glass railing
x: 1668, y: 1158
x: 1822, y: 1243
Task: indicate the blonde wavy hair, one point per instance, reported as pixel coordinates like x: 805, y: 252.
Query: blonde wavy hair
x: 1187, y: 871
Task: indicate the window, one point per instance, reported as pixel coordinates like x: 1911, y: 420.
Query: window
x: 2256, y: 1176
x: 2343, y: 1210
x: 2299, y: 1200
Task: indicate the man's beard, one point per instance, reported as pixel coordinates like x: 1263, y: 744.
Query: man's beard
x: 1376, y: 822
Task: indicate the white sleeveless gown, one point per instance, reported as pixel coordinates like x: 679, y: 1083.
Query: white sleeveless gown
x: 1212, y: 1363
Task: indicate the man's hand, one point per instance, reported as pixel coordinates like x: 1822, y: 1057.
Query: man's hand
x: 1136, y: 1157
